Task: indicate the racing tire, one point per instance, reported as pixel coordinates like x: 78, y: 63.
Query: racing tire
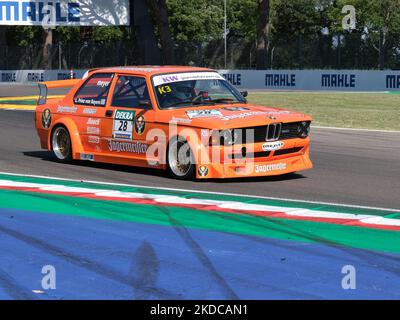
x: 61, y: 145
x: 180, y: 160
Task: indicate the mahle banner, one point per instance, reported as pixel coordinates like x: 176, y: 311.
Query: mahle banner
x: 64, y: 13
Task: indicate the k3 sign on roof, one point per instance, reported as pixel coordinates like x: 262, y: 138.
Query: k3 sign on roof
x: 64, y: 12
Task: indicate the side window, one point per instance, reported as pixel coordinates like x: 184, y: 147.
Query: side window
x: 95, y: 90
x: 129, y: 90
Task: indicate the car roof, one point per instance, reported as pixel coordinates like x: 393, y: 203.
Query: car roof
x: 149, y: 70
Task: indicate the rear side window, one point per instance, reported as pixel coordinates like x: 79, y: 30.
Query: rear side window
x: 129, y: 90
x: 95, y: 90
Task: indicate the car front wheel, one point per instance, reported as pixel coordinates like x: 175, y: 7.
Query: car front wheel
x: 181, y: 163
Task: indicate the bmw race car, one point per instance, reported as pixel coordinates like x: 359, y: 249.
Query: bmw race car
x: 188, y: 121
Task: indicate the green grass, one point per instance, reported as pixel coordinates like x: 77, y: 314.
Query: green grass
x: 346, y: 110
x: 28, y: 102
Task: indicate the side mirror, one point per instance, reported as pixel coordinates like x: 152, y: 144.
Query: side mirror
x: 145, y: 103
x: 244, y: 94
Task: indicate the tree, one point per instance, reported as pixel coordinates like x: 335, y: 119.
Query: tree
x: 47, y: 47
x: 142, y: 26
x: 196, y: 21
x: 262, y: 33
x: 158, y: 9
x: 383, y: 22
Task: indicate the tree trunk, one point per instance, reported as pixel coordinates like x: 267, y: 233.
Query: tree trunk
x: 381, y: 50
x: 158, y: 9
x: 47, y: 46
x: 145, y: 35
x: 262, y: 34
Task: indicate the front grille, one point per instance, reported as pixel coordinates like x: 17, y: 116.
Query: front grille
x: 271, y: 132
x: 261, y: 154
x: 287, y: 151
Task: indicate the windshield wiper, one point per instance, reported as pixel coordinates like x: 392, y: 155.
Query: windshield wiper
x: 198, y: 103
x: 179, y: 103
x: 224, y: 100
x: 212, y: 102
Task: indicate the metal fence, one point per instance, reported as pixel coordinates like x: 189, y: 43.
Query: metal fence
x: 299, y: 53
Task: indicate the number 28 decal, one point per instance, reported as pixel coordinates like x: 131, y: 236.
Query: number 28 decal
x: 123, y: 124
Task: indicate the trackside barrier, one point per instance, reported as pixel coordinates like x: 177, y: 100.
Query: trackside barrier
x: 313, y: 80
x: 27, y: 76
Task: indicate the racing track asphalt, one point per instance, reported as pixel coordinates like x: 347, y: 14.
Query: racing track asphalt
x: 350, y: 167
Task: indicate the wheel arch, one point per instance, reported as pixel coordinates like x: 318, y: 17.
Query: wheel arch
x: 189, y: 135
x: 76, y: 143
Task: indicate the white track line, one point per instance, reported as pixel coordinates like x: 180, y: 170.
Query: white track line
x: 355, y: 129
x: 206, y: 192
x: 221, y: 204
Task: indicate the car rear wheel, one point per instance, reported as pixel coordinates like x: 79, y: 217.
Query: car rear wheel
x: 61, y: 144
x: 181, y: 164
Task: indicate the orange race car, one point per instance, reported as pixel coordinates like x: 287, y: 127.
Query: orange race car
x: 189, y: 121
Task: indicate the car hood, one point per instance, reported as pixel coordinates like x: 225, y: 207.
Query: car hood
x: 230, y: 116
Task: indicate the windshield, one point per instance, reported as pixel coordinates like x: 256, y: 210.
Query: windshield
x: 194, y: 89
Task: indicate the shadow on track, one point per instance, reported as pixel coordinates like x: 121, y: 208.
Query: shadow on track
x: 47, y: 156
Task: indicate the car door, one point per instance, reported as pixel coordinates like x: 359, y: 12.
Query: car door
x: 90, y: 101
x: 129, y: 115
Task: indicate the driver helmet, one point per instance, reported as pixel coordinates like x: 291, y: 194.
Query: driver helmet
x: 182, y: 91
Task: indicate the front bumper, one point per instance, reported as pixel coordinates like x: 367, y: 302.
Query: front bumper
x: 258, y: 167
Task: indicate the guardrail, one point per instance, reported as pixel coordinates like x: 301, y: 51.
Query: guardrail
x: 312, y: 80
x: 27, y: 76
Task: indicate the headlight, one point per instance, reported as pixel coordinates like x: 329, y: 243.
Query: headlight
x: 304, y: 129
x: 229, y: 137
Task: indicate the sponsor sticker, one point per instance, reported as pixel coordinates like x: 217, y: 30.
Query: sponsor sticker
x: 93, y: 139
x: 140, y: 124
x: 87, y: 157
x: 203, y: 171
x: 46, y: 118
x: 236, y: 109
x: 103, y: 84
x: 89, y: 111
x: 243, y: 115
x: 254, y: 113
x: 93, y: 130
x: 91, y: 101
x: 193, y: 114
x: 277, y: 113
x: 63, y: 109
x: 164, y: 90
x: 273, y: 146
x: 270, y: 167
x: 187, y: 76
x: 123, y: 124
x: 182, y: 120
x: 93, y: 122
x: 130, y: 147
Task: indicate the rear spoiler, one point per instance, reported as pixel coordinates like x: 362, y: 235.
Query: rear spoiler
x: 44, y: 86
